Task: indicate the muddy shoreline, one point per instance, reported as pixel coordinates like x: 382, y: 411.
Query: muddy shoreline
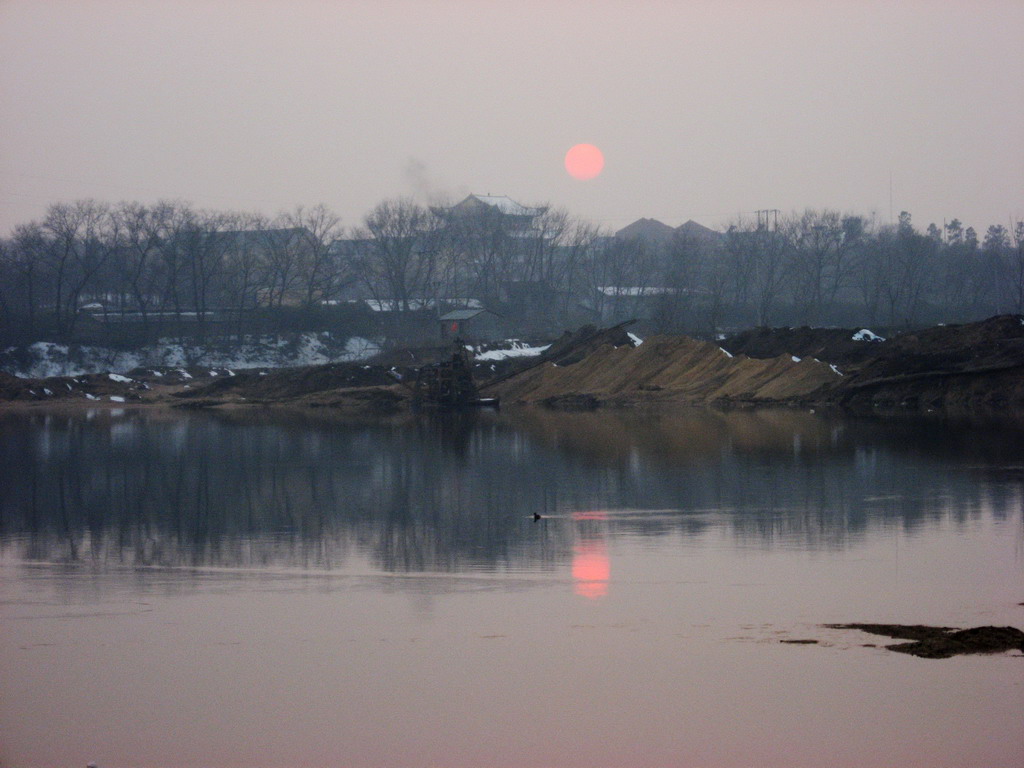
x: 975, y: 369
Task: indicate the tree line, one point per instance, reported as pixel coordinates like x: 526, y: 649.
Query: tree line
x: 169, y: 268
x: 822, y: 267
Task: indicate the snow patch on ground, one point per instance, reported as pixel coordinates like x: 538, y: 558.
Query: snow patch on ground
x: 518, y: 349
x: 865, y: 335
x: 44, y: 358
x: 727, y: 352
x: 637, y: 341
x: 835, y: 370
x: 120, y: 378
x: 795, y: 359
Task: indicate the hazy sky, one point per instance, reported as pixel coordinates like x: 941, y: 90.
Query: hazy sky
x: 703, y: 110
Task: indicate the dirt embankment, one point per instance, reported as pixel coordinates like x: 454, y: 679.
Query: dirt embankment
x: 666, y: 369
x: 840, y: 346
x: 972, y: 368
x: 975, y: 367
x: 347, y: 387
x: 87, y: 388
x: 342, y: 386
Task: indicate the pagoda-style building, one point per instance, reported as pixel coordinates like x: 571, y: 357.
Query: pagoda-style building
x: 512, y: 215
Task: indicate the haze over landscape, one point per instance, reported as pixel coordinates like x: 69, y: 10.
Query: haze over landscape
x: 703, y: 111
x: 551, y: 382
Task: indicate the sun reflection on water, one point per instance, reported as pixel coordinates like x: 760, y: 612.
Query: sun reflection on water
x: 591, y: 566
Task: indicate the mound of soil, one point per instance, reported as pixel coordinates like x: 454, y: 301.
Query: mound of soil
x: 573, y: 346
x: 973, y: 367
x: 944, y: 642
x: 995, y: 343
x: 666, y: 369
x: 832, y: 345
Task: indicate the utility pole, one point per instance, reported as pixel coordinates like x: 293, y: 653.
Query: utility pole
x: 890, y: 197
x: 766, y: 215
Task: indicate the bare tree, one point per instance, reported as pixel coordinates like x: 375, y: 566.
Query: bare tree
x: 622, y: 278
x: 995, y: 258
x: 488, y: 250
x: 759, y: 259
x: 684, y: 281
x: 577, y: 242
x: 79, y: 241
x: 245, y: 269
x: 909, y: 265
x: 23, y: 264
x: 195, y: 257
x: 319, y: 276
x: 822, y: 243
x: 1017, y: 266
x: 398, y: 258
x: 144, y: 233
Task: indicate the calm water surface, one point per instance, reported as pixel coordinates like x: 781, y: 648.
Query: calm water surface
x: 239, y: 590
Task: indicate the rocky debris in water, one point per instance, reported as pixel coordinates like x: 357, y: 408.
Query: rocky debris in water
x: 943, y: 642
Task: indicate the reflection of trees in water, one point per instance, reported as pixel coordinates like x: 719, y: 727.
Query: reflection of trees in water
x: 458, y: 491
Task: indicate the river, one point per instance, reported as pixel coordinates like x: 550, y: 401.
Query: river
x: 243, y: 589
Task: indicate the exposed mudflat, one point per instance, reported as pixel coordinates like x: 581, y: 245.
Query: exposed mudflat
x: 944, y: 642
x: 347, y: 387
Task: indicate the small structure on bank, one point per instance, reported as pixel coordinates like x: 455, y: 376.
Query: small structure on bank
x: 475, y: 323
x: 449, y: 383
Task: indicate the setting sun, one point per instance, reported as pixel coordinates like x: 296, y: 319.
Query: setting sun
x: 584, y: 161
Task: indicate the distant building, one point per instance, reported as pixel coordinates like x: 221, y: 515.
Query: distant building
x: 698, y: 233
x: 514, y: 216
x: 651, y: 232
x: 654, y: 233
x: 470, y: 325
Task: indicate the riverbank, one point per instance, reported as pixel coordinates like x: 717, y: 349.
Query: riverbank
x: 977, y: 368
